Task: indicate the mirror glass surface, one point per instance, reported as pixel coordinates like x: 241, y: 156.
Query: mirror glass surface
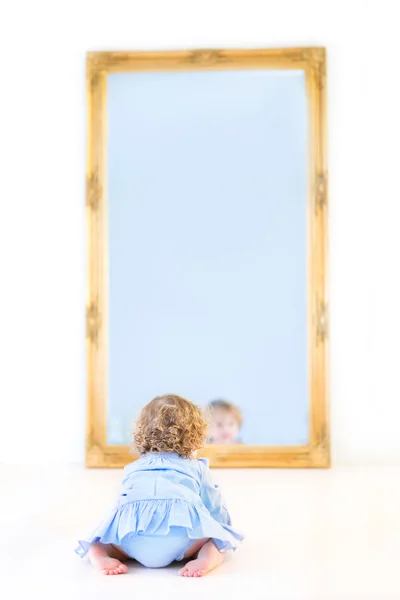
x: 207, y: 246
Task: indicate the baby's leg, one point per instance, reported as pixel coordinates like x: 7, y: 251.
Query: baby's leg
x: 107, y: 558
x: 208, y: 558
x: 195, y: 548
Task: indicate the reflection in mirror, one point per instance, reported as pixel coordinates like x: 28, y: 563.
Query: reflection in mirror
x: 207, y: 187
x: 225, y: 422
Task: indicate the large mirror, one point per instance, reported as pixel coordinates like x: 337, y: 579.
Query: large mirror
x: 207, y: 249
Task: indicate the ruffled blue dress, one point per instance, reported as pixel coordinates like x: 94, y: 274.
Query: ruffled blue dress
x: 166, y: 503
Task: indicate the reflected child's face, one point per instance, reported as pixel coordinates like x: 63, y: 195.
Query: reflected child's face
x: 224, y: 427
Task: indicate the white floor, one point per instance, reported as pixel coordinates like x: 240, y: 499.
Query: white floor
x: 315, y: 535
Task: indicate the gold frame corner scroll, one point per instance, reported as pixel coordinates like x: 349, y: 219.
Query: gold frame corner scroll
x: 313, y: 61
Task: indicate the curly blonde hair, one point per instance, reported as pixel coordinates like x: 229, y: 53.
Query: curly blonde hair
x: 170, y: 424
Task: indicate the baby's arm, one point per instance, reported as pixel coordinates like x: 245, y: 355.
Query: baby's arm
x: 212, y: 497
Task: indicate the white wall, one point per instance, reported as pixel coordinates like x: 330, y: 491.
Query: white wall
x: 42, y: 112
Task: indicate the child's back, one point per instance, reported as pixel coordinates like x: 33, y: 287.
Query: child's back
x: 155, y: 475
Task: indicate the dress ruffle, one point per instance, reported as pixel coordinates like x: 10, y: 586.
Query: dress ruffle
x: 156, y: 517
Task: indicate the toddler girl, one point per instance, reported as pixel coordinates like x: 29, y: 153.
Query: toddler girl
x: 169, y: 509
x: 226, y: 422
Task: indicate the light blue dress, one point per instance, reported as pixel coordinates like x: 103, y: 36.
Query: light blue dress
x: 166, y: 503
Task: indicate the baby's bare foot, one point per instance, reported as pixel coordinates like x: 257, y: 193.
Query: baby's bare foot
x: 100, y: 558
x: 109, y: 566
x: 195, y: 568
x: 209, y: 557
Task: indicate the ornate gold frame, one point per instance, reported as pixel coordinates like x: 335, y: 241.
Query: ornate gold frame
x: 313, y: 61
